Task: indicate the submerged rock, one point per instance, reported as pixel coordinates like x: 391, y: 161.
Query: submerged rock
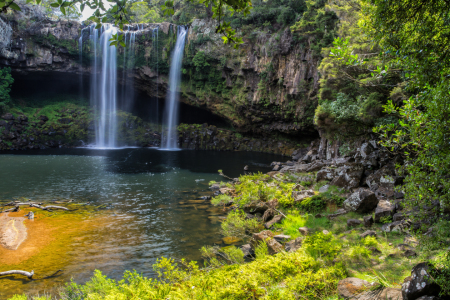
x: 12, y: 231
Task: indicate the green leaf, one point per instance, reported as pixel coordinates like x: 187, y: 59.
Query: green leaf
x: 14, y: 6
x: 54, y: 5
x: 81, y: 7
x: 63, y: 10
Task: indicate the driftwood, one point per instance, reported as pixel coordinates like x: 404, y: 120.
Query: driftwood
x: 11, y: 209
x: 49, y: 208
x: 24, y: 273
x: 20, y: 203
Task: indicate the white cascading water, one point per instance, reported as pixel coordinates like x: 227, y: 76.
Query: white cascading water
x: 170, y: 139
x: 104, y: 86
x: 155, y: 35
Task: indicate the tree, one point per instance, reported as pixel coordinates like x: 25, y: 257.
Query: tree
x: 416, y: 34
x: 120, y: 13
x: 141, y: 12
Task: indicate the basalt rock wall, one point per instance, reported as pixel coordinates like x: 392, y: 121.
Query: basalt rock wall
x: 266, y: 87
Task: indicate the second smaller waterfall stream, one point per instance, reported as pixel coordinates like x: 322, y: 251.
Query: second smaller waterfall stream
x: 169, y: 137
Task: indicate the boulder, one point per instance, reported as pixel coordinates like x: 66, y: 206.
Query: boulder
x: 276, y: 219
x: 368, y: 221
x: 247, y: 250
x: 428, y: 298
x: 384, y: 209
x: 273, y: 246
x: 368, y: 233
x: 409, y: 253
x: 325, y: 174
x: 304, y: 230
x: 366, y: 150
x: 293, y: 245
x: 419, y: 283
x: 362, y: 201
x: 299, y: 196
x: 282, y: 238
x: 7, y: 116
x: 399, y: 226
x: 358, y: 289
x: 337, y: 213
x: 263, y: 235
x: 324, y: 189
x: 353, y: 222
x: 400, y: 216
x: 348, y: 176
x: 349, y: 287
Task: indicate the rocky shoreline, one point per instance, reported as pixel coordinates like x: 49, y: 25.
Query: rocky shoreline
x: 73, y: 126
x: 367, y: 181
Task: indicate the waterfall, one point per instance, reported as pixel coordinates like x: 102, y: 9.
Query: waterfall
x: 104, y: 86
x: 155, y: 35
x: 80, y: 48
x: 171, y: 112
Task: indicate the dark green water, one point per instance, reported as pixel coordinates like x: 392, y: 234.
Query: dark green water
x: 142, y: 190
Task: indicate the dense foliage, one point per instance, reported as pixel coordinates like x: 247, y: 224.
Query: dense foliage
x: 6, y: 81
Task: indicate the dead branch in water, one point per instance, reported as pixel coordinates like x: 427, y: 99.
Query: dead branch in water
x: 24, y: 273
x: 11, y: 209
x: 48, y: 208
x: 53, y: 275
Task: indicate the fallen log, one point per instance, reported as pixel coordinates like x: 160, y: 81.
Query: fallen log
x: 11, y: 209
x: 24, y: 273
x: 49, y: 208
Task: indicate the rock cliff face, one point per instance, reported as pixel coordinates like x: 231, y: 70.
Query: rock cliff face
x: 267, y: 87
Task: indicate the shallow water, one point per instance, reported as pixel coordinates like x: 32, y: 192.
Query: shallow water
x: 145, y: 193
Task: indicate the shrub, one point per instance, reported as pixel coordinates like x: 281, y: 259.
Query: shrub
x: 322, y: 245
x: 238, y: 225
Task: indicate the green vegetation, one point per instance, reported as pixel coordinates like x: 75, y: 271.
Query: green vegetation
x: 6, y: 81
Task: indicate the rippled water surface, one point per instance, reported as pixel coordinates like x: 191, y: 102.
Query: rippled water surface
x: 151, y: 199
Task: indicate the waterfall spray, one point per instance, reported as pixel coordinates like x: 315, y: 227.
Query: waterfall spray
x: 169, y: 141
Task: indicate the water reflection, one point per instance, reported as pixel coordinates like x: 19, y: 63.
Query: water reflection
x: 148, y: 195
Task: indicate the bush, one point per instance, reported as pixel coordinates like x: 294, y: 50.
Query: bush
x: 238, y: 225
x: 321, y: 245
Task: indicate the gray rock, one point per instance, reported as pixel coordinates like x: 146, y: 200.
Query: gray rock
x: 366, y: 150
x: 362, y: 201
x: 324, y: 189
x: 325, y: 174
x: 276, y: 219
x: 273, y: 246
x: 248, y: 251
x: 409, y: 253
x: 299, y: 196
x: 304, y: 230
x: 293, y: 245
x: 337, y: 213
x: 348, y: 176
x: 419, y: 283
x: 368, y: 221
x: 7, y: 116
x: 400, y: 216
x: 349, y: 287
x: 428, y: 298
x: 399, y: 226
x: 368, y: 233
x: 353, y: 222
x: 384, y: 209
x: 282, y: 238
